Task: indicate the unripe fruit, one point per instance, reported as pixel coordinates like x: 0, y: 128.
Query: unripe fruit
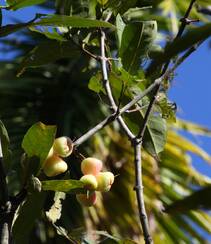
x: 63, y: 146
x: 89, y: 181
x: 91, y: 166
x: 54, y: 166
x: 104, y: 181
x: 87, y: 199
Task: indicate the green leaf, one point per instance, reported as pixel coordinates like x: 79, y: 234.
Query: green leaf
x: 134, y: 13
x: 26, y: 216
x: 4, y: 146
x: 56, y: 21
x: 47, y: 52
x: 71, y: 21
x: 95, y: 83
x: 181, y: 44
x: 68, y: 186
x: 9, y: 29
x: 49, y: 34
x: 120, y: 25
x: 136, y: 40
x: 168, y: 109
x: 197, y: 200
x: 17, y: 4
x: 155, y: 135
x: 38, y: 141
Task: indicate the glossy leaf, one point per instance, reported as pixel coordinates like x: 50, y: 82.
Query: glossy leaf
x: 56, y: 21
x: 95, y: 83
x: 4, y: 146
x: 181, y: 44
x: 155, y: 135
x: 26, y: 216
x: 120, y: 25
x: 48, y: 52
x: 71, y: 21
x: 17, y: 4
x: 136, y: 40
x: 68, y: 186
x: 38, y: 141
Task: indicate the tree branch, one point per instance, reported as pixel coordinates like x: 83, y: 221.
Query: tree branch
x: 108, y: 88
x: 164, y: 72
x: 137, y: 148
x: 4, y: 204
x: 113, y: 116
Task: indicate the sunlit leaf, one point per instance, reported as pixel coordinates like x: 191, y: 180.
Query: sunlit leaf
x: 68, y: 186
x: 38, y: 140
x: 17, y: 4
x: 4, y: 146
x: 136, y: 40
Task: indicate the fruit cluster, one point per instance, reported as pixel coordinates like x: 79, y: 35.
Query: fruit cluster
x: 54, y: 164
x: 94, y: 180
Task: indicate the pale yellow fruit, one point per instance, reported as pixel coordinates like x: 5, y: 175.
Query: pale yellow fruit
x: 90, y: 182
x: 54, y: 165
x: 91, y: 166
x: 63, y: 146
x: 104, y: 181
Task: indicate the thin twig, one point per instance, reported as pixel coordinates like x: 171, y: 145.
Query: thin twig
x: 114, y: 116
x: 108, y: 88
x: 184, y: 22
x: 137, y: 148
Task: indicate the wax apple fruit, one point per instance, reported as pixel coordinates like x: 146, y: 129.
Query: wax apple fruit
x: 63, y: 146
x: 54, y: 166
x: 87, y: 199
x: 104, y: 181
x: 89, y: 181
x: 91, y: 166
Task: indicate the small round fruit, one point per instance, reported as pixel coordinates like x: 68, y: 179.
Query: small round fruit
x: 54, y: 166
x: 89, y: 181
x: 104, y: 181
x: 91, y: 166
x: 87, y: 200
x: 63, y: 146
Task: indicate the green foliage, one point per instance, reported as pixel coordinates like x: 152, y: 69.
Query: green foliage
x: 46, y: 52
x: 61, y: 47
x: 4, y: 143
x: 26, y: 216
x: 38, y: 140
x: 67, y: 186
x: 56, y: 21
x: 135, y: 42
x: 17, y: 4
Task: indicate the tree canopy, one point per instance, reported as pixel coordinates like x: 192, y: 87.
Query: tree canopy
x: 99, y: 71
